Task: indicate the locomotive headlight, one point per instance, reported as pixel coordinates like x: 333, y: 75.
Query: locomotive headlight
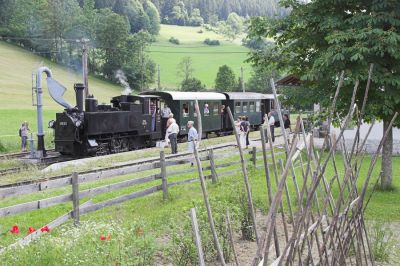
x: 51, y: 124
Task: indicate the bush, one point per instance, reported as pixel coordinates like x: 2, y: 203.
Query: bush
x: 211, y: 42
x: 174, y: 40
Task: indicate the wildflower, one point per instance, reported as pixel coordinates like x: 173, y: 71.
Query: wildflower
x: 14, y: 229
x: 31, y: 230
x: 45, y: 229
x: 103, y: 238
x: 116, y: 264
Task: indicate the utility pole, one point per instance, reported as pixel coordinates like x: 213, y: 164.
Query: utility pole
x: 242, y: 79
x: 142, y: 66
x: 85, y: 70
x: 158, y: 78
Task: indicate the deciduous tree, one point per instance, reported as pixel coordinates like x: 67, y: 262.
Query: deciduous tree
x: 323, y: 37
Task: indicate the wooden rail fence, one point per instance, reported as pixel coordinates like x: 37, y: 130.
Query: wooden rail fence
x: 75, y: 180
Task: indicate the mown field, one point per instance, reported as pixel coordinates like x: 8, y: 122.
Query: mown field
x: 206, y: 59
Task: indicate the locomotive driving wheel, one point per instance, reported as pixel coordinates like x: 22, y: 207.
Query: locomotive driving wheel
x: 116, y: 145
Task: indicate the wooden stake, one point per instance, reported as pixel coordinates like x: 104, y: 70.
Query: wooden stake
x: 75, y: 197
x: 164, y: 175
x: 197, y: 237
x: 246, y: 178
x: 228, y: 223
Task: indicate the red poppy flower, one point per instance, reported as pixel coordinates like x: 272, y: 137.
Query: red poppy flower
x: 45, y: 229
x: 116, y: 264
x: 31, y: 230
x: 14, y: 229
x: 103, y: 238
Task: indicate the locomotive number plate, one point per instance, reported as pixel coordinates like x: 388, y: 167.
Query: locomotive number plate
x: 63, y: 124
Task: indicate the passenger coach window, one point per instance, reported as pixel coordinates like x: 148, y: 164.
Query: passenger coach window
x: 216, y: 109
x: 244, y: 107
x: 251, y: 107
x: 258, y: 106
x: 185, y: 110
x: 238, y: 107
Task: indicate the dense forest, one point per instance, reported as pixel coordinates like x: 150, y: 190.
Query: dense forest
x: 117, y: 31
x: 179, y: 12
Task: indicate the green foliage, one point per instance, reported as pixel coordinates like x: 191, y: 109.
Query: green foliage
x: 318, y: 40
x: 212, y: 10
x: 174, y: 40
x: 259, y: 80
x: 225, y: 80
x: 211, y: 42
x: 382, y: 241
x: 192, y: 84
x: 195, y: 18
x: 51, y: 29
x: 185, y: 68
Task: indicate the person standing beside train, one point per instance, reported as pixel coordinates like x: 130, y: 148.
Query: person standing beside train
x: 23, y: 133
x: 271, y: 123
x: 165, y: 112
x: 192, y: 139
x: 243, y: 128
x: 172, y: 132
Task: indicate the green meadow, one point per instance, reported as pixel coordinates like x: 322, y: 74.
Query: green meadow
x: 206, y: 59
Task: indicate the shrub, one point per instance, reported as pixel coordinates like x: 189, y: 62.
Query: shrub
x: 174, y: 40
x: 200, y: 31
x: 211, y: 42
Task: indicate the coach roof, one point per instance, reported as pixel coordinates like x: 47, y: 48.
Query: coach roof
x: 247, y: 96
x: 184, y: 95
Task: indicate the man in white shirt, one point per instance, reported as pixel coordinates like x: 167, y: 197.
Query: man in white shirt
x: 271, y: 123
x: 172, y: 132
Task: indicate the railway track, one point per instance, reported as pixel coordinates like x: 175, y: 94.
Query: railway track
x: 17, y: 155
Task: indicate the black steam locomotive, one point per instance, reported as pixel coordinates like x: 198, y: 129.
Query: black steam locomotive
x: 133, y: 121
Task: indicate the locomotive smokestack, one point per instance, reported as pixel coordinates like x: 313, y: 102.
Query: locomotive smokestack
x: 79, y: 89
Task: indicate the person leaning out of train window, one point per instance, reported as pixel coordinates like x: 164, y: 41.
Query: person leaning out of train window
x: 192, y: 139
x: 23, y: 133
x: 172, y: 135
x: 153, y: 111
x: 223, y: 117
x: 206, y: 110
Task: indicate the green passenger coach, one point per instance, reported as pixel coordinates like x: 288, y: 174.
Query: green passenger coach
x: 251, y: 104
x: 182, y: 105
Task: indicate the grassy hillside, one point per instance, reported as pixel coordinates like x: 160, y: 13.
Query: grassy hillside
x: 206, y: 59
x: 16, y: 68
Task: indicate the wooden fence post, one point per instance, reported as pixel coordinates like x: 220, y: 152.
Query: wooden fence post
x: 197, y: 237
x: 75, y: 197
x: 254, y: 156
x: 164, y: 175
x: 214, y: 175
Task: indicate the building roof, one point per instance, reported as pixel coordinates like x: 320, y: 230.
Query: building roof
x: 290, y: 80
x: 247, y: 95
x: 184, y: 95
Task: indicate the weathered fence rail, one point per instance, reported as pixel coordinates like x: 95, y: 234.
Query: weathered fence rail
x: 163, y: 164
